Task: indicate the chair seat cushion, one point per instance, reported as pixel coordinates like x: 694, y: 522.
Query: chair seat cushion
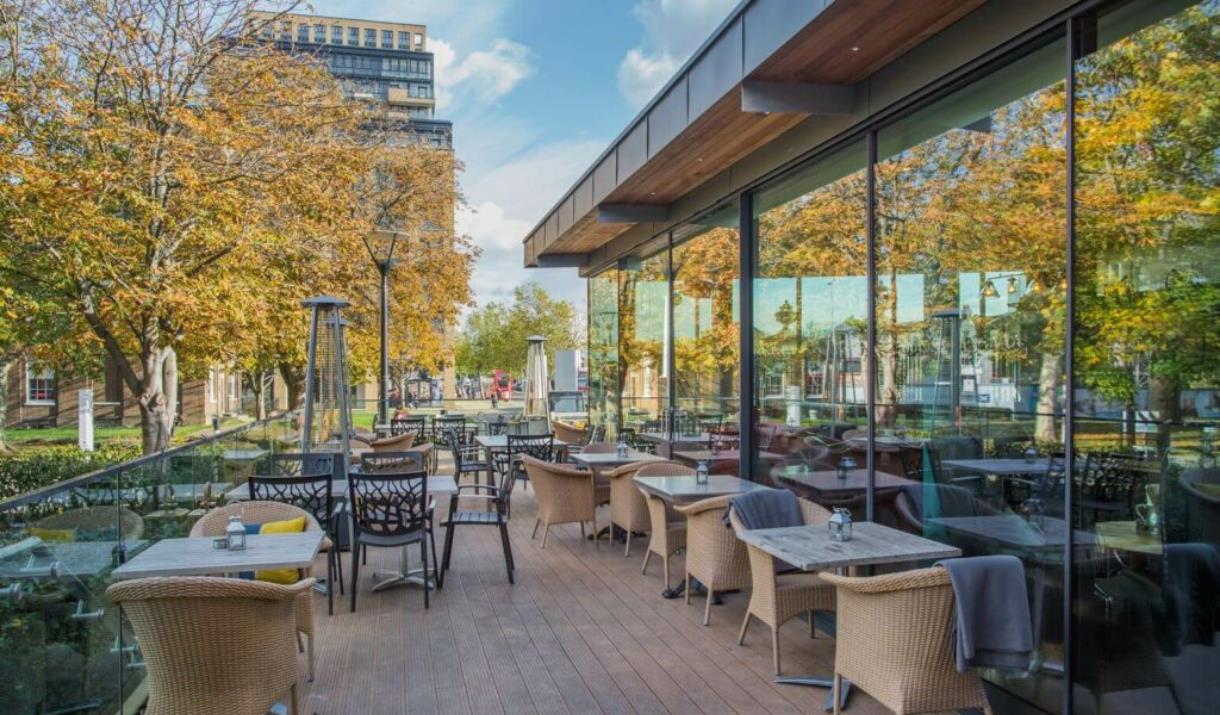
x: 474, y: 517
x: 397, y: 540
x: 286, y: 526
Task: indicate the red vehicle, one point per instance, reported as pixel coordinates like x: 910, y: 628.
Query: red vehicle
x: 501, y: 384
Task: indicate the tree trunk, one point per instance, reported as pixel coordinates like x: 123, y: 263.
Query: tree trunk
x: 6, y: 364
x: 1164, y: 400
x: 887, y: 375
x: 294, y: 381
x: 1044, y: 409
x: 158, y: 400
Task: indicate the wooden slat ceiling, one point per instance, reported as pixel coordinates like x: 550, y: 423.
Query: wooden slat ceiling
x: 822, y: 52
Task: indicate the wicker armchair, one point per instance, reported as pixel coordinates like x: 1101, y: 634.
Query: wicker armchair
x: 776, y: 599
x: 894, y: 642
x: 666, y: 529
x: 213, y: 524
x: 714, y: 555
x: 565, y: 495
x: 214, y: 646
x: 565, y: 432
x: 628, y: 508
x: 397, y: 443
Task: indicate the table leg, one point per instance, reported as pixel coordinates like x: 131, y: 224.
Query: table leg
x: 404, y: 576
x: 817, y: 681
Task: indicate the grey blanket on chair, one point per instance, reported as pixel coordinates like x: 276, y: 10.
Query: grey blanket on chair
x: 767, y: 509
x: 992, y: 627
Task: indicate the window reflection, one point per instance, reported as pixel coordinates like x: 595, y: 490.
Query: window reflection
x: 642, y: 317
x: 1147, y: 366
x: 603, y: 352
x: 811, y: 317
x: 705, y: 334
x: 970, y: 299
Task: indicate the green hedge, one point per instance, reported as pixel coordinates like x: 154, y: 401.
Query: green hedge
x: 29, y: 471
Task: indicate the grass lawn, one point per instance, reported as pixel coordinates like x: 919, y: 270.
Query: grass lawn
x: 28, y: 438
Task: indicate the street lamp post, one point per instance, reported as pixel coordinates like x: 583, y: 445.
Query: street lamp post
x: 381, y: 245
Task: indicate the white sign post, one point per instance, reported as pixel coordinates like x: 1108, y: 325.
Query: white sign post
x: 84, y: 419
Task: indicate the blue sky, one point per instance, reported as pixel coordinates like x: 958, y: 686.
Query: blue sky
x: 536, y: 89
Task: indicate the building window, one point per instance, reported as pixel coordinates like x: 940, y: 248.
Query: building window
x: 302, y: 33
x: 370, y: 37
x: 353, y: 36
x: 319, y: 34
x: 404, y: 40
x: 336, y: 34
x: 419, y: 40
x: 39, y: 385
x: 387, y: 39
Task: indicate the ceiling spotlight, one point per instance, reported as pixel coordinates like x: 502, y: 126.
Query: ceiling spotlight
x: 855, y: 48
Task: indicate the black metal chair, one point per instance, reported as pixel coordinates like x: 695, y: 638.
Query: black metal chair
x: 388, y: 498
x: 1105, y: 487
x: 467, y: 454
x: 499, y: 497
x: 413, y: 424
x: 508, y: 462
x: 306, y: 480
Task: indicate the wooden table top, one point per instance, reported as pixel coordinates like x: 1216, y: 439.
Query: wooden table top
x: 500, y: 441
x: 1000, y: 467
x: 685, y: 489
x: 810, y: 548
x: 196, y: 557
x: 611, y: 459
x: 828, y: 481
x: 1014, y: 531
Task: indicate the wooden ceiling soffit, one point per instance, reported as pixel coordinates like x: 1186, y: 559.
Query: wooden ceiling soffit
x: 584, y: 236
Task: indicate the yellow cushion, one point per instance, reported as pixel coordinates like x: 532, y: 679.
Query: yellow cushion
x: 53, y: 535
x: 287, y: 526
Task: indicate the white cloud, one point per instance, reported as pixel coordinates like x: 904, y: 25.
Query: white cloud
x: 483, y: 76
x: 673, y: 29
x: 490, y: 228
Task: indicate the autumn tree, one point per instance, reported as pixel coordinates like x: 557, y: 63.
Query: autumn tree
x: 493, y: 337
x: 166, y: 161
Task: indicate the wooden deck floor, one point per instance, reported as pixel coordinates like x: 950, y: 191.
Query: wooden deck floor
x: 581, y: 632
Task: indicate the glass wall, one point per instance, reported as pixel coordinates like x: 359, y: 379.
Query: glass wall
x: 603, y: 351
x: 706, y: 352
x: 810, y: 315
x: 971, y: 259
x: 643, y: 337
x: 1146, y: 488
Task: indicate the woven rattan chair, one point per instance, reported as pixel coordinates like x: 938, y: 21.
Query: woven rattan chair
x: 666, y: 528
x: 628, y: 508
x: 776, y: 598
x: 894, y: 642
x: 714, y: 555
x: 397, y: 443
x: 213, y: 524
x: 574, y: 436
x: 214, y: 646
x: 565, y: 495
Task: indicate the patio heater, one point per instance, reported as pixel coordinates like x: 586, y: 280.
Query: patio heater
x: 328, y: 417
x: 537, y: 402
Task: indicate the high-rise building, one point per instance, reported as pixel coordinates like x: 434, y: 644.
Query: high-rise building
x: 385, y: 62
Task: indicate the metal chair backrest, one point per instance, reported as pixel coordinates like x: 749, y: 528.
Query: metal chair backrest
x: 305, y: 480
x: 541, y: 446
x: 414, y: 424
x: 389, y: 498
x: 462, y: 445
x: 443, y: 424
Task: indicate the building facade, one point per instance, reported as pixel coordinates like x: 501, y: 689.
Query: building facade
x: 964, y: 235
x: 384, y: 62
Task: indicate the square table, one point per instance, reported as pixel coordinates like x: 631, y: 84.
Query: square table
x: 601, y: 460
x: 810, y: 548
x: 1001, y: 467
x: 196, y: 557
x: 499, y: 442
x: 683, y: 489
x: 663, y: 437
x: 694, y: 456
x: 828, y: 482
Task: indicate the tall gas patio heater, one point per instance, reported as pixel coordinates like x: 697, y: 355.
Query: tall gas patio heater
x: 327, y: 422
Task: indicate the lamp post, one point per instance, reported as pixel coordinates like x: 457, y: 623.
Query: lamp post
x: 381, y: 245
